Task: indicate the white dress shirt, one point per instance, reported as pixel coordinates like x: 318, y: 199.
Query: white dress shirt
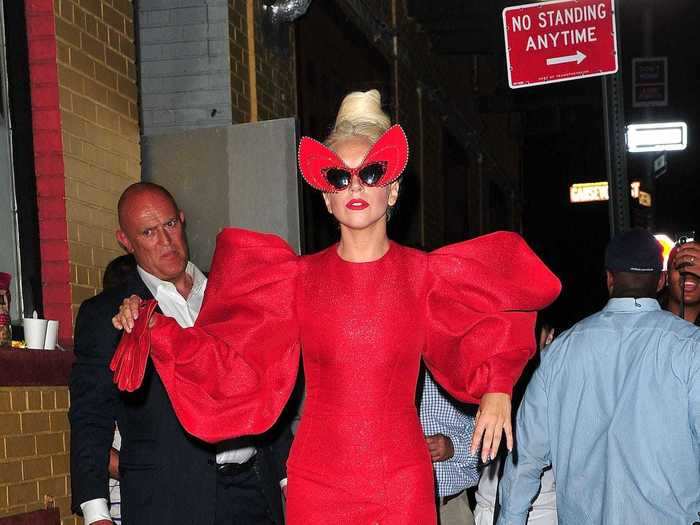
x: 185, y: 312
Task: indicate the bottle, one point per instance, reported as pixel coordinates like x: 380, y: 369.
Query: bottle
x: 5, y: 321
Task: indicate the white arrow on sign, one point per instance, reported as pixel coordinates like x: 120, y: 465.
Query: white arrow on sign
x: 578, y: 58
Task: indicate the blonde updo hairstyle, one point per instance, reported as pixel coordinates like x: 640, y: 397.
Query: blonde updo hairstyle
x: 360, y: 115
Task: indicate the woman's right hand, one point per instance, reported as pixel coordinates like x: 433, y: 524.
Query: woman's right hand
x: 128, y: 313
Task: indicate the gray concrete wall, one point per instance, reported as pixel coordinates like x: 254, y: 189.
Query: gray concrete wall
x: 263, y: 184
x: 184, y: 64
x: 243, y: 175
x: 193, y: 166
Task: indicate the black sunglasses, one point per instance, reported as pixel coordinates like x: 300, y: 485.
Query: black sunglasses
x: 369, y: 175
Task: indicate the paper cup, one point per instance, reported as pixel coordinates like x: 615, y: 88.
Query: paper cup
x: 35, y: 332
x: 51, y: 335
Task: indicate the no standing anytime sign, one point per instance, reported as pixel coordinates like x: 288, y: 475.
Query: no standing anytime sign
x: 561, y: 40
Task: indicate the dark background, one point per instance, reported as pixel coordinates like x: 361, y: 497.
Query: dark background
x: 572, y: 237
x: 560, y: 129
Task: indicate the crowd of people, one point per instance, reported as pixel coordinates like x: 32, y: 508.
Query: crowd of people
x: 197, y: 371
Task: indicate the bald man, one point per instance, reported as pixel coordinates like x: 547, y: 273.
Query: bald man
x: 167, y: 476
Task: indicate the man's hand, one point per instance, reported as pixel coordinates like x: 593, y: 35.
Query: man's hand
x: 492, y: 419
x: 102, y: 522
x: 128, y: 313
x: 440, y: 447
x: 113, y: 463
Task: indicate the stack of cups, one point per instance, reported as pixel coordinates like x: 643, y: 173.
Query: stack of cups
x: 40, y: 333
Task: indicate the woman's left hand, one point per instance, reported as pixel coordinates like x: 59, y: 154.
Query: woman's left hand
x: 492, y: 419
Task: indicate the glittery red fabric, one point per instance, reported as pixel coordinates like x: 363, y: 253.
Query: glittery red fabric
x: 359, y: 456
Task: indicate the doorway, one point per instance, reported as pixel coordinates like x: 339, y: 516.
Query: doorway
x: 456, y: 174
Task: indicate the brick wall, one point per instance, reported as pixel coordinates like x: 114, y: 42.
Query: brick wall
x: 239, y: 61
x: 184, y: 55
x: 99, y: 118
x: 48, y: 164
x: 34, y: 445
x: 274, y: 75
x: 195, y: 66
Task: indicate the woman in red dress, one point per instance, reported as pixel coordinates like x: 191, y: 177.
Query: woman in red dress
x: 365, y: 311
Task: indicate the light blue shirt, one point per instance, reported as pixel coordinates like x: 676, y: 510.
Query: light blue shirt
x: 615, y: 407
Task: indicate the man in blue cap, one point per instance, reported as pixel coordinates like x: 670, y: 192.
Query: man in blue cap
x: 615, y: 408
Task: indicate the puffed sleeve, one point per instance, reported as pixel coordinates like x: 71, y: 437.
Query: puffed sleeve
x: 482, y: 301
x: 232, y: 373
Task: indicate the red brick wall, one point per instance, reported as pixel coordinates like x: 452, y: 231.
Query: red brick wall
x: 100, y: 127
x: 48, y: 148
x: 86, y: 141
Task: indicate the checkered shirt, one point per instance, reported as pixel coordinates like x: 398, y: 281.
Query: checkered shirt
x: 439, y: 415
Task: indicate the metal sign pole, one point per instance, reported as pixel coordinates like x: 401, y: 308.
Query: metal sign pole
x: 615, y: 146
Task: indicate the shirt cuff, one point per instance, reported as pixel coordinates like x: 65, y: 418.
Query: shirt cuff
x: 283, y: 483
x: 460, y: 446
x: 235, y: 455
x: 95, y: 510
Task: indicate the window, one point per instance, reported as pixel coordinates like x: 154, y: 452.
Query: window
x: 19, y: 230
x: 9, y: 240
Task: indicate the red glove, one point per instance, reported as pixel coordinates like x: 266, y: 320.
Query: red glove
x: 131, y: 356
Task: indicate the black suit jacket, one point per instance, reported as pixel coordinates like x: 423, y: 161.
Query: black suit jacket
x: 167, y: 476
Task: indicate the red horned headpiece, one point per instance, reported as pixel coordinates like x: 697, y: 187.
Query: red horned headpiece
x: 382, y: 165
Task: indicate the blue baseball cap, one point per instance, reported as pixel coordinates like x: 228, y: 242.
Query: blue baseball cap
x: 636, y: 251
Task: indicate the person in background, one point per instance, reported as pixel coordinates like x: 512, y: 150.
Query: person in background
x: 543, y: 510
x: 684, y: 261
x: 615, y: 407
x: 116, y: 275
x: 118, y: 272
x: 448, y: 426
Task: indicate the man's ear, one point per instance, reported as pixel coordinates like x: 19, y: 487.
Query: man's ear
x: 609, y: 280
x: 181, y: 216
x: 662, y: 281
x: 124, y: 241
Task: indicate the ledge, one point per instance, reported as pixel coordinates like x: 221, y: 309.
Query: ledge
x: 22, y: 367
x: 38, y: 517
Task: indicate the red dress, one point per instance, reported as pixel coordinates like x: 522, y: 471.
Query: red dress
x: 359, y: 456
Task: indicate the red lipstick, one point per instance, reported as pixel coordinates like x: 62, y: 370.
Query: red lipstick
x: 357, y: 204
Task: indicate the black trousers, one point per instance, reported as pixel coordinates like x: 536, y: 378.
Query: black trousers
x: 240, y: 499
